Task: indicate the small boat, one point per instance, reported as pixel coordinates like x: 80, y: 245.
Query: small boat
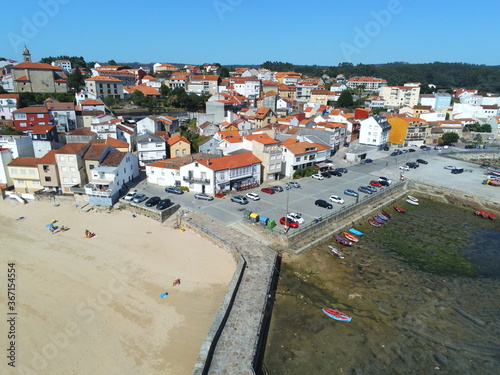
x: 356, y: 232
x: 399, y: 209
x: 336, y: 252
x: 412, y: 198
x: 374, y: 223
x: 342, y: 241
x: 351, y: 237
x: 382, y: 216
x: 412, y: 202
x: 486, y: 214
x: 336, y: 314
x: 478, y: 213
x: 378, y: 220
x: 387, y: 214
x: 492, y: 216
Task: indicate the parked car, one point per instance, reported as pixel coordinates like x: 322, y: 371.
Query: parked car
x: 295, y: 217
x: 289, y: 222
x: 451, y: 167
x: 138, y: 198
x: 365, y: 189
x: 326, y: 174
x: 351, y: 192
x: 323, y: 203
x: 341, y: 170
x: 411, y: 150
x: 404, y: 167
x: 130, y: 195
x: 253, y: 196
x: 203, y: 197
x: 422, y: 161
x: 404, y: 151
x: 395, y: 153
x: 336, y: 173
x: 426, y: 148
x: 267, y: 190
x: 375, y: 183
x: 412, y: 164
x: 317, y: 176
x: 164, y: 203
x: 368, y: 161
x: 153, y: 201
x: 277, y: 188
x: 384, y: 182
x: 470, y: 146
x: 336, y: 199
x: 373, y: 189
x: 423, y: 147
x: 293, y: 184
x: 386, y: 148
x: 239, y: 199
x: 457, y: 170
x: 174, y: 190
x: 382, y: 178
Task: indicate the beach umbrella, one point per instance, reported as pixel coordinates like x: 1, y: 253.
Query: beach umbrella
x: 49, y: 225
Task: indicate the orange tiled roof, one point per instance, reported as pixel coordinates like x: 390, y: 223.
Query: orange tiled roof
x: 231, y: 161
x: 23, y: 161
x: 91, y: 102
x: 177, y: 138
x: 71, y: 148
x: 42, y: 129
x: 103, y: 79
x: 146, y: 90
x: 48, y: 158
x: 22, y: 78
x: 263, y: 138
x: 32, y: 65
x: 37, y: 109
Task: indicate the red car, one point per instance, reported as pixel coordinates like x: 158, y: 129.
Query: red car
x: 289, y: 222
x: 267, y: 190
x: 375, y: 183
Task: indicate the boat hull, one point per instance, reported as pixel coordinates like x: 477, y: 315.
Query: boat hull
x: 351, y: 237
x: 342, y: 241
x: 399, y: 209
x: 337, y: 315
x: 355, y: 231
x: 412, y: 202
x: 374, y: 223
x: 336, y: 252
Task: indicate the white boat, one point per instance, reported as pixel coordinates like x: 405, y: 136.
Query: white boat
x: 336, y: 252
x: 412, y: 202
x: 412, y: 198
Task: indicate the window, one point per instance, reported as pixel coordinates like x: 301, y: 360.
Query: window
x: 91, y: 166
x: 48, y: 179
x: 14, y: 170
x: 72, y: 169
x: 177, y: 152
x: 23, y: 171
x: 23, y: 124
x: 71, y: 158
x: 20, y: 181
x: 32, y: 171
x: 61, y: 157
x: 36, y: 183
x: 64, y: 169
x: 39, y: 115
x: 73, y: 179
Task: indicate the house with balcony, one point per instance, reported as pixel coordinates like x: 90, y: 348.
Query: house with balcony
x: 178, y: 146
x: 71, y: 167
x: 203, y: 84
x: 305, y: 86
x: 107, y: 180
x: 178, y: 80
x: 151, y: 148
x: 407, y: 130
x: 268, y: 150
x: 25, y: 175
x: 62, y: 114
x: 400, y: 96
x: 229, y: 141
x: 27, y: 117
x: 45, y: 138
x: 48, y: 172
x: 374, y: 131
x: 299, y: 155
x: 95, y: 154
x: 366, y: 83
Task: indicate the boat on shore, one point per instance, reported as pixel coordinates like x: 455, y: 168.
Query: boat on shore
x: 382, y: 216
x: 336, y: 252
x: 492, y: 216
x: 412, y: 202
x: 342, y: 241
x: 387, y: 214
x: 376, y: 224
x: 378, y: 220
x: 336, y: 314
x: 350, y: 237
x: 399, y: 209
x: 356, y: 232
x: 412, y: 198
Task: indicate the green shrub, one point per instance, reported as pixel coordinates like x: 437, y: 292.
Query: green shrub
x: 185, y: 188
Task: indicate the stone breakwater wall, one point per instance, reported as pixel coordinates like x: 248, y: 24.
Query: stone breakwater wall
x: 235, y: 342
x: 477, y: 157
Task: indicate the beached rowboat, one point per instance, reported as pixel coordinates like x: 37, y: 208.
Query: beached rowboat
x: 387, y: 214
x: 336, y: 252
x: 382, y: 216
x: 412, y: 198
x: 336, y: 314
x: 412, y: 202
x: 342, y: 241
x: 378, y: 220
x: 350, y: 237
x: 356, y: 232
x: 374, y: 223
x: 399, y: 209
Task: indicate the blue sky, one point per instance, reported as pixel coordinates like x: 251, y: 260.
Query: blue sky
x: 230, y: 32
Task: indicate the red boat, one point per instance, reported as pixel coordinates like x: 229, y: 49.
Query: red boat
x: 387, y: 214
x: 486, y: 214
x: 399, y: 209
x: 336, y: 314
x: 374, y: 223
x: 378, y: 220
x: 492, y: 216
x: 478, y: 213
x: 342, y: 241
x: 350, y: 237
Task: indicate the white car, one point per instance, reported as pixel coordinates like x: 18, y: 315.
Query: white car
x: 295, y: 217
x: 405, y: 168
x: 450, y: 167
x: 336, y: 199
x: 317, y: 176
x: 253, y: 196
x: 130, y: 195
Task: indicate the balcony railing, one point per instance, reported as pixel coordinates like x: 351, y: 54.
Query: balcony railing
x: 196, y: 180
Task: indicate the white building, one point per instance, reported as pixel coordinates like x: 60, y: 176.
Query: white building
x: 374, y: 131
x: 63, y: 64
x: 400, y: 96
x: 299, y: 155
x: 103, y: 86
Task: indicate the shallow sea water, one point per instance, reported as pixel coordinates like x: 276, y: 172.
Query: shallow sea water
x: 411, y: 313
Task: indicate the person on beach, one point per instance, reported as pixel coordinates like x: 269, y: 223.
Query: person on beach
x: 176, y: 282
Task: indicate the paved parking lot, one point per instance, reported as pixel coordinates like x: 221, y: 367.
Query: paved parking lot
x: 302, y: 200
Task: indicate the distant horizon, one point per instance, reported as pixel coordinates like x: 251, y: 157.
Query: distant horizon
x: 318, y: 33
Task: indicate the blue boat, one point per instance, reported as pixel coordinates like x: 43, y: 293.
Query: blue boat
x: 354, y: 231
x: 382, y: 216
x: 336, y: 314
x: 378, y: 220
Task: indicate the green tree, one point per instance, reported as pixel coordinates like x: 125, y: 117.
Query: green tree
x: 164, y: 90
x: 110, y: 101
x: 137, y: 97
x: 224, y: 72
x: 76, y: 79
x: 485, y: 128
x: 478, y: 138
x: 112, y: 62
x: 345, y: 99
x: 450, y: 137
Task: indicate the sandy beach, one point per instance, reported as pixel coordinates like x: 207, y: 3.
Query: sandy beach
x: 93, y: 306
